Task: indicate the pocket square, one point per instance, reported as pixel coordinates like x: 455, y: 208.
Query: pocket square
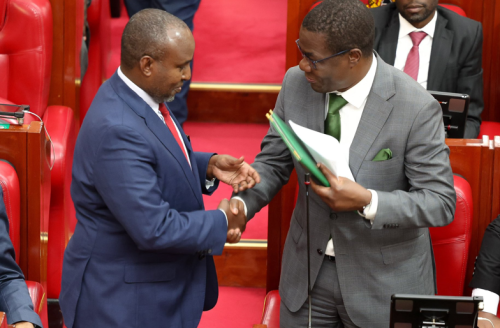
x: 383, y: 155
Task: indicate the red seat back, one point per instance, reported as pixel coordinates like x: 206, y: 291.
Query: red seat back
x: 451, y: 243
x: 490, y: 129
x: 99, y: 19
x: 9, y: 183
x: 454, y: 8
x: 25, y: 53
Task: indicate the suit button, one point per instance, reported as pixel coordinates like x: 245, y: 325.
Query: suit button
x: 333, y: 216
x: 209, y: 251
x: 320, y: 251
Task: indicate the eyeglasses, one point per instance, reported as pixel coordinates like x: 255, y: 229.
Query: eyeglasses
x: 313, y: 62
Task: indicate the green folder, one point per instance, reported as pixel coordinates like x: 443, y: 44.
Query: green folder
x: 296, y: 147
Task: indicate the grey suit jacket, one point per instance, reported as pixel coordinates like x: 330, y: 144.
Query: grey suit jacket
x: 415, y: 189
x: 456, y: 56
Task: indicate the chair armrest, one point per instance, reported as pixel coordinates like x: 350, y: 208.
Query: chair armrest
x: 271, y: 313
x: 37, y: 295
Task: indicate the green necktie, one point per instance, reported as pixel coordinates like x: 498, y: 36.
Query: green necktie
x: 332, y: 121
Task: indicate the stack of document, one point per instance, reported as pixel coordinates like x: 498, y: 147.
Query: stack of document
x: 311, y: 147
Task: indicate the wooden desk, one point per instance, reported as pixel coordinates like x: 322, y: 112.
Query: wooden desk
x: 26, y: 148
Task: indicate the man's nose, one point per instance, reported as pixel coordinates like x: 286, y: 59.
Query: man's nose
x: 304, y: 65
x: 186, y: 73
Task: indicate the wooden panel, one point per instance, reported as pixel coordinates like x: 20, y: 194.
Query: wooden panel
x: 227, y: 106
x: 242, y: 265
x: 65, y: 74
x: 492, y: 33
x: 297, y: 10
x: 27, y: 149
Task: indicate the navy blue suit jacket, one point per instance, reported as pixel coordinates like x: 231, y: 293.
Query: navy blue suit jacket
x: 141, y: 252
x: 15, y: 299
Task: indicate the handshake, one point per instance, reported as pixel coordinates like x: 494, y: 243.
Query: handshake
x: 236, y: 219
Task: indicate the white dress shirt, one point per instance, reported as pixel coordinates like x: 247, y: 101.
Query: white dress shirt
x: 350, y: 115
x: 405, y: 44
x: 490, y: 300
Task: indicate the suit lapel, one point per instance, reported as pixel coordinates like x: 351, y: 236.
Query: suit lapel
x: 163, y: 134
x: 160, y: 130
x: 377, y: 110
x: 388, y: 42
x: 441, y: 48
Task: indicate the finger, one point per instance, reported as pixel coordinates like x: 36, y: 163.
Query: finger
x: 234, y: 206
x: 328, y: 174
x: 319, y: 190
x: 235, y: 161
x: 255, y: 175
x: 243, y: 185
x: 236, y: 187
x: 250, y: 182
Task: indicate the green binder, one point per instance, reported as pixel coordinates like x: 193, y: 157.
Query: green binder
x: 296, y: 147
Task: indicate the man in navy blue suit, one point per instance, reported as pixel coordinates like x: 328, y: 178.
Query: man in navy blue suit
x: 185, y: 10
x: 15, y: 299
x: 141, y: 253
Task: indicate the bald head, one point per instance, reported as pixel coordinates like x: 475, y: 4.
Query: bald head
x: 147, y: 34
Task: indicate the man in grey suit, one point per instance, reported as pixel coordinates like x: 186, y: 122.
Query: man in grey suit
x: 369, y: 238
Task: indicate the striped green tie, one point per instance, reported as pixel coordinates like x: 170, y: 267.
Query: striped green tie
x: 332, y: 121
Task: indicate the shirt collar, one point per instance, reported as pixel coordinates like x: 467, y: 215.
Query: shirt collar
x: 141, y: 93
x: 406, y: 28
x: 358, y: 93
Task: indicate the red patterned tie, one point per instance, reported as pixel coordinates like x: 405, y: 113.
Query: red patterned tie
x: 412, y: 62
x: 171, y: 126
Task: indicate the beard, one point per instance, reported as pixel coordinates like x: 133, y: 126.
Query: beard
x: 159, y: 98
x: 420, y: 17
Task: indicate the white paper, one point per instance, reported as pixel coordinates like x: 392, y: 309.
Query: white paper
x: 325, y: 149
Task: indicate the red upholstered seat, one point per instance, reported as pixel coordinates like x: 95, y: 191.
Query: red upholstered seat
x: 9, y: 183
x: 490, y: 129
x: 450, y: 244
x: 99, y: 19
x: 25, y: 63
x: 454, y: 8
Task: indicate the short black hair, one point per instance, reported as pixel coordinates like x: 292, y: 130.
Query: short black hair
x: 146, y: 34
x: 347, y: 24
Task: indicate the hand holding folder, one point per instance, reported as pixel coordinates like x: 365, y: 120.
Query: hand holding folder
x: 310, y: 147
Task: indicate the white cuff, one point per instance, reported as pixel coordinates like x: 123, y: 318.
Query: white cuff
x: 490, y: 300
x: 244, y: 205
x: 370, y: 210
x: 209, y: 184
x: 227, y: 223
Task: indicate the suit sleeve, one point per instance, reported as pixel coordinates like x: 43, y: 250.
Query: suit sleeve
x: 430, y: 200
x: 274, y: 164
x: 470, y: 81
x: 126, y: 180
x: 15, y: 299
x: 487, y: 269
x: 202, y: 160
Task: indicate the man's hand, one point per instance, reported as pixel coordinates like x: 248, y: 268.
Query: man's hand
x: 236, y: 219
x: 232, y: 171
x: 343, y: 194
x: 485, y: 323
x: 23, y: 324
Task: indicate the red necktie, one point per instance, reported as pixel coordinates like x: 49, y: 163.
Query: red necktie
x: 171, y: 126
x: 412, y: 62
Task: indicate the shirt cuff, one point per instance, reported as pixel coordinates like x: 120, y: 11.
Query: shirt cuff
x: 490, y: 300
x: 370, y: 210
x: 209, y: 184
x: 244, y: 205
x: 227, y: 223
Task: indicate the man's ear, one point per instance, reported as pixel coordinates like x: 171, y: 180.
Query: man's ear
x: 355, y: 56
x: 145, y: 64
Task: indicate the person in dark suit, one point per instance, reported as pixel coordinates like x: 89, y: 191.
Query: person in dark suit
x: 15, y: 299
x: 185, y: 10
x: 486, y: 276
x: 141, y: 253
x: 450, y: 53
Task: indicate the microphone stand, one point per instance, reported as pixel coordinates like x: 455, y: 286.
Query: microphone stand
x: 307, y: 182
